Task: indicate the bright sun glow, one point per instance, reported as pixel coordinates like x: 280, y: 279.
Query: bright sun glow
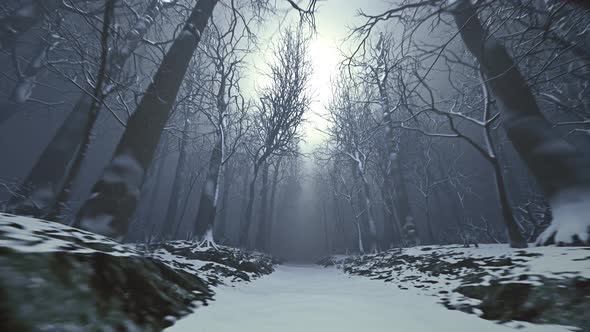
x: 325, y: 59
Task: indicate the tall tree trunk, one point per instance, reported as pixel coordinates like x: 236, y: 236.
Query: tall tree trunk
x: 273, y: 193
x: 337, y: 212
x: 44, y: 182
x: 392, y: 232
x: 365, y: 240
x: 47, y: 179
x: 394, y: 178
x: 171, y: 219
x: 261, y: 235
x: 245, y: 227
x: 114, y: 196
x: 428, y: 221
x: 208, y: 201
x: 159, y: 175
x: 367, y: 204
x: 561, y: 170
x: 59, y: 206
x: 515, y: 237
x: 221, y: 223
x: 325, y: 222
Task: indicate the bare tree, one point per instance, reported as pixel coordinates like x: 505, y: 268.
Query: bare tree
x: 353, y: 134
x: 278, y: 117
x: 560, y: 168
x: 46, y: 189
x: 114, y: 196
x: 226, y: 51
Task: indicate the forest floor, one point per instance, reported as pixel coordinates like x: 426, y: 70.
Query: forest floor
x: 313, y: 298
x: 58, y: 278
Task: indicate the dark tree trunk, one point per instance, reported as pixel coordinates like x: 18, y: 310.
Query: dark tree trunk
x: 514, y: 235
x: 561, y: 170
x: 171, y: 219
x: 273, y: 193
x: 337, y: 212
x: 221, y: 224
x: 261, y: 235
x: 47, y: 180
x: 325, y: 221
x: 394, y: 178
x: 60, y: 204
x: 245, y: 227
x: 114, y: 196
x: 208, y: 201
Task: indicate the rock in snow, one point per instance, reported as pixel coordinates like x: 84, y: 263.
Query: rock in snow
x: 58, y: 278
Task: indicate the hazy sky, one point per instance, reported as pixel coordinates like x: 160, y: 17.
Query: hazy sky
x: 305, y: 237
x: 334, y: 19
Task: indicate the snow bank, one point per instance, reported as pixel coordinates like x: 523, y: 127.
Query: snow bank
x: 542, y: 285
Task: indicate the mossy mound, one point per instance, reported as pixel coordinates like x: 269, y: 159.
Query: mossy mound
x: 58, y: 278
x: 60, y: 291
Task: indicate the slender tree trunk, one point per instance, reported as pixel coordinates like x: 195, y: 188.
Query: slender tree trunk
x: 114, y: 196
x: 245, y: 227
x: 337, y: 213
x: 394, y: 179
x: 514, y: 235
x: 261, y: 235
x: 392, y: 226
x: 561, y: 170
x: 325, y: 221
x: 208, y: 202
x: 171, y: 219
x: 221, y: 224
x: 273, y: 193
x: 428, y: 221
x: 363, y: 213
x: 60, y: 204
x: 367, y: 204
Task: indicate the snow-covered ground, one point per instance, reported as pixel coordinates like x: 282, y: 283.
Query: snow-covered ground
x: 312, y: 298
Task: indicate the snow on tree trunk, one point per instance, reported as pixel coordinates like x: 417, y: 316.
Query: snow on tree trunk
x: 114, y: 197
x: 208, y: 201
x: 561, y: 170
x: 394, y: 179
x: 372, y: 227
x: 367, y: 223
x: 47, y: 179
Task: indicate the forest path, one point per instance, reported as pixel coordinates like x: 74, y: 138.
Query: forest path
x: 309, y: 298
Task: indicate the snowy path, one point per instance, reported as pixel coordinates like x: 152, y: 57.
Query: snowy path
x: 313, y: 298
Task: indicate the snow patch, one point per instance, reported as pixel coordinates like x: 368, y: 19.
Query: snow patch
x: 571, y: 219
